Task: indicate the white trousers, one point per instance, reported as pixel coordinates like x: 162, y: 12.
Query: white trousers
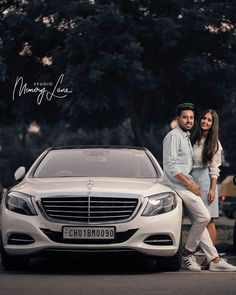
x: 200, y: 217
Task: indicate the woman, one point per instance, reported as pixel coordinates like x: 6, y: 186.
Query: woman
x: 206, y: 161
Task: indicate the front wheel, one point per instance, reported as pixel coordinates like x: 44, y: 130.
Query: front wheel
x: 13, y: 262
x: 170, y: 263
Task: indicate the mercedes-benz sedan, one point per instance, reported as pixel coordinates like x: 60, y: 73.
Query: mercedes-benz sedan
x: 91, y: 199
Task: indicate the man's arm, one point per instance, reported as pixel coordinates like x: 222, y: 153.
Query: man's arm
x: 170, y: 156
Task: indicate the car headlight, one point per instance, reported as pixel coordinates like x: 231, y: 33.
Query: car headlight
x: 20, y: 203
x: 159, y: 204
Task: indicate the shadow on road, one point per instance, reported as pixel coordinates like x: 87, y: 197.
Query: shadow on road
x: 89, y: 266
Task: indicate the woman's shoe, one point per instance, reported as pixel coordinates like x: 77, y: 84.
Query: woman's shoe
x: 222, y: 265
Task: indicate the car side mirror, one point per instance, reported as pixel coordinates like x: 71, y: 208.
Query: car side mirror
x: 234, y: 180
x: 19, y: 173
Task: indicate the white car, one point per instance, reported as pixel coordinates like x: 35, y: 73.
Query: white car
x: 91, y: 199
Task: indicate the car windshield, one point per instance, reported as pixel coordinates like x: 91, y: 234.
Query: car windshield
x: 99, y: 162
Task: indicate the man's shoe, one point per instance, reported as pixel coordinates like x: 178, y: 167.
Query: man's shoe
x: 190, y: 263
x: 222, y: 265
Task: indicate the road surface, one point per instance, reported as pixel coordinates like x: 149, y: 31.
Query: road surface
x: 102, y: 277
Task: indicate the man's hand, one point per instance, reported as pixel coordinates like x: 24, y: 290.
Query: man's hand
x: 190, y: 184
x: 194, y: 188
x: 211, y: 196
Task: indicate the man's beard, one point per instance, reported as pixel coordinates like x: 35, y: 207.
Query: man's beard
x: 185, y: 129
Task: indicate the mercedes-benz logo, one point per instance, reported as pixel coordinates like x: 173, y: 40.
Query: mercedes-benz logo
x: 90, y: 182
x: 90, y: 185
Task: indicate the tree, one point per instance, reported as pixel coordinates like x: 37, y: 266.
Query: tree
x: 139, y: 58
x: 228, y: 136
x: 123, y: 60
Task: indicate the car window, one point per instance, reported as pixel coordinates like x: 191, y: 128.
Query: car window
x: 96, y: 163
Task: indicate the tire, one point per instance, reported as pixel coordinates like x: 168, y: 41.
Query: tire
x: 234, y: 235
x: 13, y: 262
x: 170, y: 263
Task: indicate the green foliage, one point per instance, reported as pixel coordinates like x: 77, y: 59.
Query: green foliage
x: 228, y: 135
x: 125, y: 61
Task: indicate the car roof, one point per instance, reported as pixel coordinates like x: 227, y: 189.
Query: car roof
x: 96, y: 147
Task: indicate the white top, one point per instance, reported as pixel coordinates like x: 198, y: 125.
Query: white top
x: 216, y: 161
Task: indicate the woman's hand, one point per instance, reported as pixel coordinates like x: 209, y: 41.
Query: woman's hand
x: 222, y: 198
x: 211, y: 196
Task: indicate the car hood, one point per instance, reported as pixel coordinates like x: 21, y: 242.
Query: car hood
x: 63, y: 186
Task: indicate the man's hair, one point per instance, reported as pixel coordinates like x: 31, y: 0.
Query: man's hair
x: 184, y: 107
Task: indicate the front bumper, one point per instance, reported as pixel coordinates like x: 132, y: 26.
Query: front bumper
x: 133, y: 235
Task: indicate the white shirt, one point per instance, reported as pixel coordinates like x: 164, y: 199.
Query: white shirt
x: 216, y: 161
x: 177, y: 157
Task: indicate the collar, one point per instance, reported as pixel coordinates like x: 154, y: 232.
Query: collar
x: 182, y: 132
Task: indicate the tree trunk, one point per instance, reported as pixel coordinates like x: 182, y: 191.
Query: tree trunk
x: 23, y: 135
x: 136, y: 124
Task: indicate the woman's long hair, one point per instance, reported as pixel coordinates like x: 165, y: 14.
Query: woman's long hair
x: 211, y: 144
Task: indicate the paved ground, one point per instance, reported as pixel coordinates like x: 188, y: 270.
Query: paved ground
x: 112, y: 277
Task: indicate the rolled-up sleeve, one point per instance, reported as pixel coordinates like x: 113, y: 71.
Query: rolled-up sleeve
x: 216, y: 163
x: 170, y: 155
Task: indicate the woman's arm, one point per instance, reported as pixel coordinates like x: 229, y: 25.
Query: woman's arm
x: 212, y: 192
x: 216, y: 163
x: 214, y: 173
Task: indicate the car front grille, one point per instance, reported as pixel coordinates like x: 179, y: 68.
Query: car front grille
x: 89, y: 209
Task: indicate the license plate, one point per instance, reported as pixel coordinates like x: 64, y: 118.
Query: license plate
x: 88, y: 233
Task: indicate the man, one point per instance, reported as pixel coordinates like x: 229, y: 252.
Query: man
x: 177, y: 164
